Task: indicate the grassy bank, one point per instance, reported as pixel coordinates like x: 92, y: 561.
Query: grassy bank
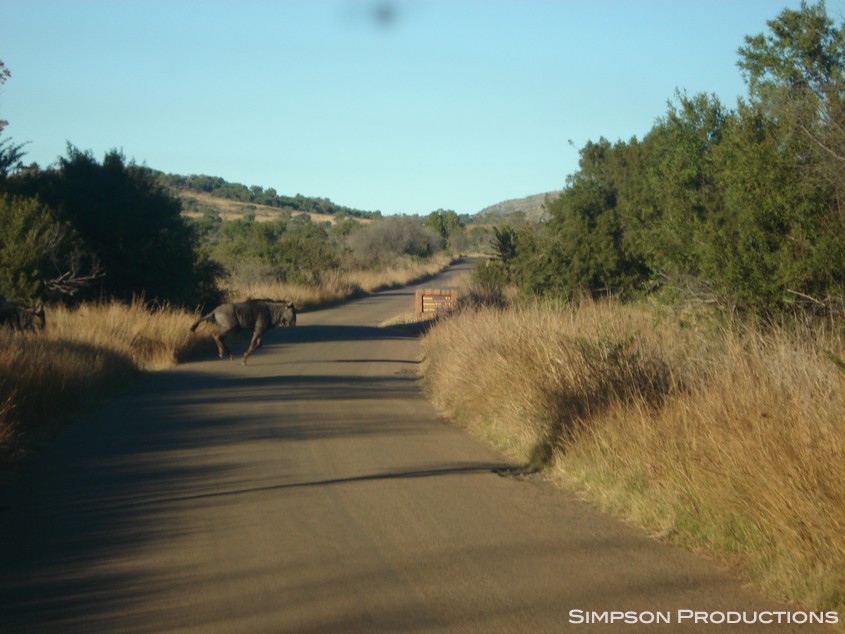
x: 339, y: 285
x: 83, y: 356
x: 723, y: 438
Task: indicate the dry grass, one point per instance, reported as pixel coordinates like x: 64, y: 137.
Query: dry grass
x: 332, y: 287
x: 723, y: 438
x: 83, y: 356
x: 338, y: 285
x: 550, y: 370
x: 234, y: 209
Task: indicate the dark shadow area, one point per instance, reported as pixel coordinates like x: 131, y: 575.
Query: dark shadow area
x: 284, y: 388
x: 125, y: 494
x: 407, y: 361
x: 238, y: 341
x: 307, y: 334
x: 35, y: 410
x: 112, y: 485
x: 471, y: 469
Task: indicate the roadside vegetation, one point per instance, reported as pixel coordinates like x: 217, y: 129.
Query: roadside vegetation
x: 711, y: 432
x: 85, y: 354
x: 671, y: 342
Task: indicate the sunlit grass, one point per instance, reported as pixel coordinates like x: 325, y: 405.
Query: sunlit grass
x: 724, y: 437
x: 84, y: 355
x: 338, y: 285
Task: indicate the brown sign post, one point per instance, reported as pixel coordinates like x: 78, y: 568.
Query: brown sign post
x: 434, y: 302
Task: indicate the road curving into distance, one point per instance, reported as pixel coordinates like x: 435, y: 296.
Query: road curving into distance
x: 316, y: 490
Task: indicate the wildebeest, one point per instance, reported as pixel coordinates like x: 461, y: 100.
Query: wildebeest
x: 257, y: 315
x: 22, y: 317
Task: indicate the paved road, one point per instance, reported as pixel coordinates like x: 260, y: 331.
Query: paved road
x: 314, y: 490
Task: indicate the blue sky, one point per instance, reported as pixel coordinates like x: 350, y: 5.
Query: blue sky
x: 402, y: 106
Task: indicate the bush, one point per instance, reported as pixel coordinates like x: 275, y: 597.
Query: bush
x: 487, y: 283
x: 40, y: 258
x: 384, y: 239
x: 128, y: 222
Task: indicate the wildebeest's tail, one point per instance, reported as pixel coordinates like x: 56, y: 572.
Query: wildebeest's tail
x: 208, y: 317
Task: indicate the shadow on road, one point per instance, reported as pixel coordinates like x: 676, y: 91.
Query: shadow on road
x: 128, y: 470
x: 239, y: 340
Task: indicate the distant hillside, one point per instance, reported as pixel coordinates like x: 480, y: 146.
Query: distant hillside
x: 197, y: 204
x: 200, y: 193
x: 530, y: 209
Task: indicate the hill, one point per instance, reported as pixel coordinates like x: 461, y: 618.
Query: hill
x: 197, y: 204
x: 201, y: 194
x: 530, y: 208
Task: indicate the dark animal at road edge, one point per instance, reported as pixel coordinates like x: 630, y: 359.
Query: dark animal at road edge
x: 257, y: 315
x: 22, y: 317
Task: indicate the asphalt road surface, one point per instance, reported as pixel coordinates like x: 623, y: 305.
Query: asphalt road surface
x: 316, y: 490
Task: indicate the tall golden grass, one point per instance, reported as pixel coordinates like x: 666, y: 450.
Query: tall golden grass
x: 83, y: 356
x: 727, y: 438
x: 338, y: 285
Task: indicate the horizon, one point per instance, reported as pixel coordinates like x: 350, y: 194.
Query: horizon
x: 396, y: 106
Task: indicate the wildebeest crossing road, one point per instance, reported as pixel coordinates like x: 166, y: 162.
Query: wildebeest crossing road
x: 315, y: 490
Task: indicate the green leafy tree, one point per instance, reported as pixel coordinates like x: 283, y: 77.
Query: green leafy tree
x: 10, y: 154
x: 28, y: 233
x: 4, y: 75
x: 802, y: 57
x: 747, y: 202
x: 683, y: 191
x: 504, y: 244
x: 124, y: 217
x: 583, y: 248
x: 305, y: 252
x: 10, y: 158
x: 784, y: 164
x: 293, y: 249
x: 796, y: 76
x: 448, y: 224
x: 40, y: 258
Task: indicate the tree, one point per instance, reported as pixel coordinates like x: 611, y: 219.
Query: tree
x: 747, y: 203
x: 803, y: 54
x: 784, y: 167
x: 683, y: 188
x: 4, y: 75
x: 584, y: 247
x: 10, y: 154
x: 382, y: 240
x: 448, y: 224
x: 796, y: 75
x: 40, y: 257
x: 10, y: 158
x: 504, y: 243
x: 123, y: 217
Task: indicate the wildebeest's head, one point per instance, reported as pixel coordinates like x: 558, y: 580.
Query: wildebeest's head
x: 281, y: 312
x: 284, y: 313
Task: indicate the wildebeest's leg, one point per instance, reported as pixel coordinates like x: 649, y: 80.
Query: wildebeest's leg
x: 221, y: 344
x: 254, y: 345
